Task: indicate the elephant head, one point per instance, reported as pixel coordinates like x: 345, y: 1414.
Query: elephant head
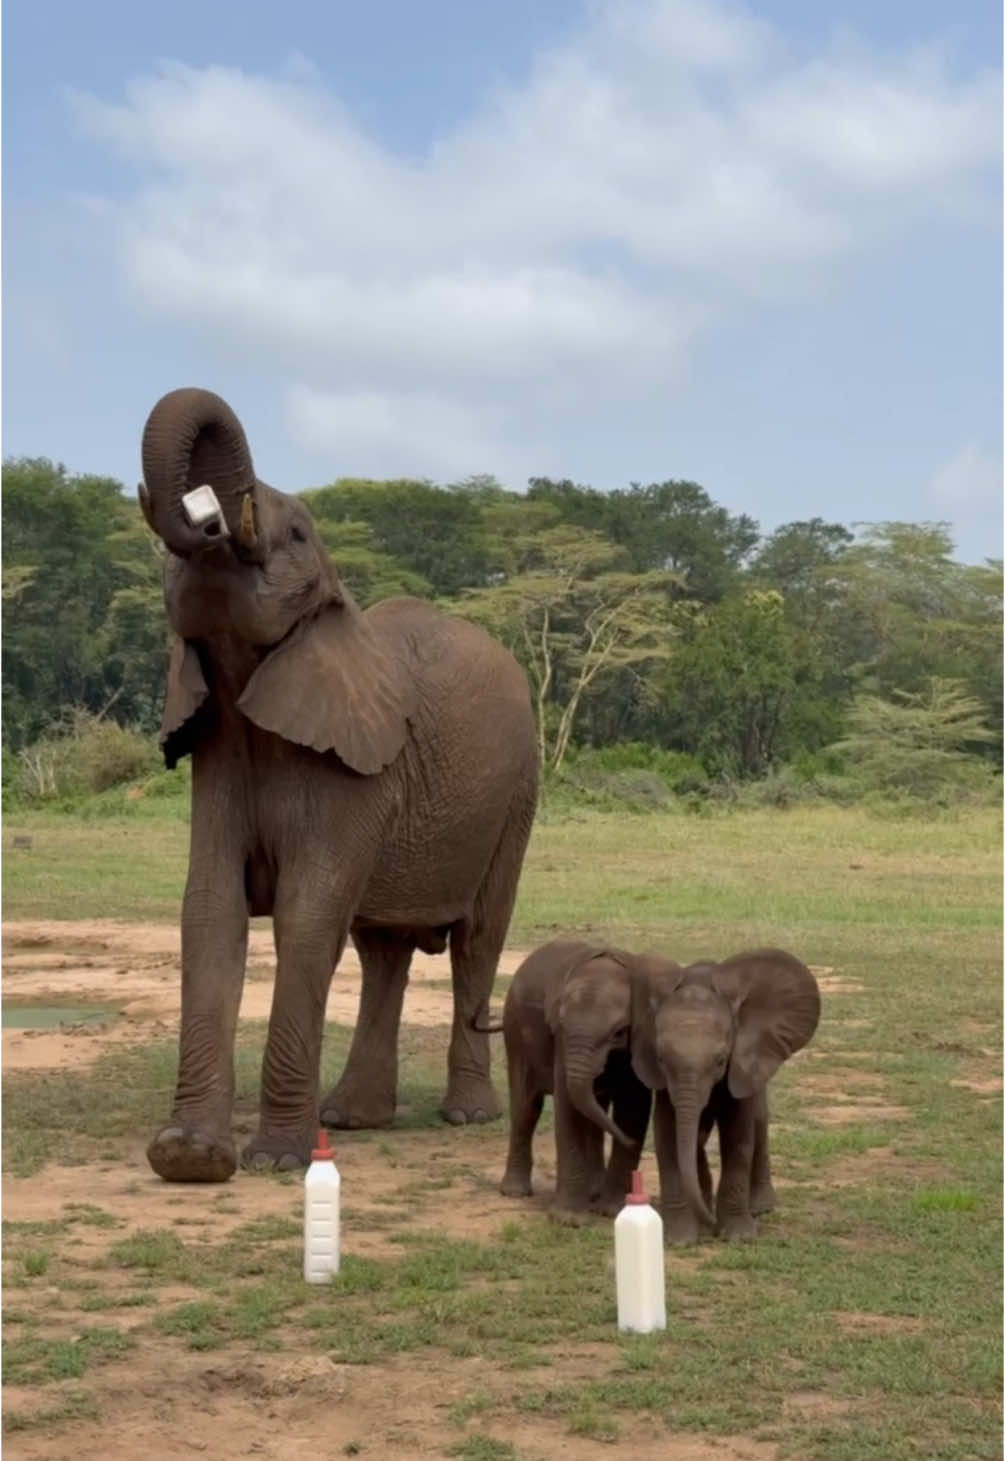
x: 589, y: 1011
x: 738, y: 1021
x: 257, y: 603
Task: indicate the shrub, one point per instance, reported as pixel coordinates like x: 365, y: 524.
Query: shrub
x: 678, y: 770
x: 82, y: 756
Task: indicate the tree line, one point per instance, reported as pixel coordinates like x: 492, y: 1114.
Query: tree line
x: 648, y: 615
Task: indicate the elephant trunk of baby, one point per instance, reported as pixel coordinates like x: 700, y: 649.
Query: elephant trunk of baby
x: 579, y: 1078
x: 192, y: 438
x: 687, y: 1110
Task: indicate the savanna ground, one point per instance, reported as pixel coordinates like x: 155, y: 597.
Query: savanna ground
x: 865, y: 1321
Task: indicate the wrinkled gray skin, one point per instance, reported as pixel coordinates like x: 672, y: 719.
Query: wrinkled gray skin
x: 707, y: 1040
x: 367, y: 774
x: 567, y: 1027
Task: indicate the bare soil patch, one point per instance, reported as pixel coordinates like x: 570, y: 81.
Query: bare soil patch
x: 135, y: 967
x: 286, y: 1407
x: 860, y: 1169
x: 837, y: 983
x: 849, y: 1112
x: 853, y: 1322
x: 814, y: 1405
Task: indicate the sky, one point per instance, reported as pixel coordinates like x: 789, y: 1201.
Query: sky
x: 754, y: 246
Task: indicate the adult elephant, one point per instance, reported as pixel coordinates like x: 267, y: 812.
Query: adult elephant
x: 367, y: 774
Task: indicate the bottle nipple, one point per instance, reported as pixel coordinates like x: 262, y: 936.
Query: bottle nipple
x: 323, y: 1152
x: 637, y: 1197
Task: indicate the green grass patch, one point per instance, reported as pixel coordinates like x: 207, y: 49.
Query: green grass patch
x: 34, y: 1359
x: 874, y: 1289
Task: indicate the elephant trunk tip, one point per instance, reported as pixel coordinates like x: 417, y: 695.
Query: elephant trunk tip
x: 494, y: 1027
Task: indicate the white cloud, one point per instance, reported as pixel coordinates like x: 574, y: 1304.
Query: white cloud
x: 973, y: 477
x: 376, y: 433
x: 671, y: 161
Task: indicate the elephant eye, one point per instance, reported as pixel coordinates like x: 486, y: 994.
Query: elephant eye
x: 297, y: 534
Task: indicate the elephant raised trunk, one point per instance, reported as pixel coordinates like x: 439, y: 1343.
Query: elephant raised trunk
x: 687, y: 1110
x: 579, y: 1078
x: 192, y: 438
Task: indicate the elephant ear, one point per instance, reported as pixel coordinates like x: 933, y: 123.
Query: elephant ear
x: 776, y: 1001
x: 335, y: 685
x: 184, y: 705
x: 653, y: 981
x: 569, y: 957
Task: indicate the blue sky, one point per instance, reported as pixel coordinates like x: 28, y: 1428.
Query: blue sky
x: 756, y: 246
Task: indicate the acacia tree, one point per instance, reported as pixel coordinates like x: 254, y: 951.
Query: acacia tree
x: 572, y: 615
x: 920, y: 743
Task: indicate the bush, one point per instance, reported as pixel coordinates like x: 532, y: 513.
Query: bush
x: 83, y: 756
x: 678, y: 770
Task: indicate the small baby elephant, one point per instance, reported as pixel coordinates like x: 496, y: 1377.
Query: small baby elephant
x: 708, y: 1039
x: 567, y: 1026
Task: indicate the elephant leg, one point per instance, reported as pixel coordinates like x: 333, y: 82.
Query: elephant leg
x: 632, y: 1107
x: 526, y: 1101
x: 736, y: 1141
x: 762, y: 1193
x: 310, y: 933
x: 475, y: 946
x: 367, y: 1092
x: 680, y: 1223
x: 196, y: 1144
x: 579, y: 1152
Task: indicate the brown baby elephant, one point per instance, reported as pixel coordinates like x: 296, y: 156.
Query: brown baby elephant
x: 708, y: 1039
x: 567, y: 1026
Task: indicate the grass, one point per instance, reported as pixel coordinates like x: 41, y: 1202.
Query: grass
x: 663, y: 875
x: 864, y: 1321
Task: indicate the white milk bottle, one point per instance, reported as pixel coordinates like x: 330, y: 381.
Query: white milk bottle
x: 322, y: 1186
x: 638, y: 1263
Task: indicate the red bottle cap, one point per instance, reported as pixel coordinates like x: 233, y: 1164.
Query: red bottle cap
x: 637, y: 1197
x: 323, y: 1151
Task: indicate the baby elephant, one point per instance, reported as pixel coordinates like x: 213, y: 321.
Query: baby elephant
x: 708, y: 1039
x: 567, y: 1026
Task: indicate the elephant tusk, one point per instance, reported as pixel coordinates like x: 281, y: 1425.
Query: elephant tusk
x: 246, y: 534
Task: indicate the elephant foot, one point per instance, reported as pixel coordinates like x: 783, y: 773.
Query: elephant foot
x: 737, y: 1226
x: 516, y: 1184
x: 762, y: 1199
x: 346, y: 1110
x: 610, y: 1199
x: 570, y: 1217
x: 681, y: 1227
x: 181, y: 1153
x: 472, y: 1102
x: 277, y: 1152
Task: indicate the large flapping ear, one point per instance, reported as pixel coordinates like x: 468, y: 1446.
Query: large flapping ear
x: 187, y: 692
x: 776, y: 1001
x: 334, y: 685
x: 569, y: 957
x: 653, y: 981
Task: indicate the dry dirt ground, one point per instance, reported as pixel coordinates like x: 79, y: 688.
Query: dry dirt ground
x: 166, y: 1402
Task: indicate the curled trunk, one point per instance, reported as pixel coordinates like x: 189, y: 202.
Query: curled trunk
x: 192, y: 437
x: 579, y: 1080
x: 686, y: 1114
